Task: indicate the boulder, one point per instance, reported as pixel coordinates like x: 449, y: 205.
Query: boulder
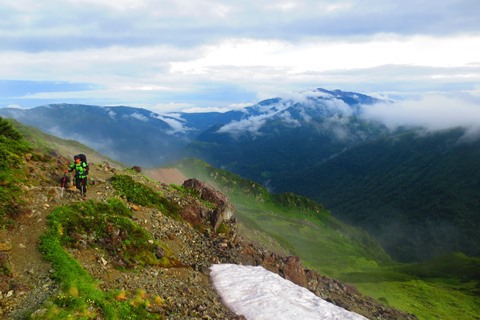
x: 224, y: 209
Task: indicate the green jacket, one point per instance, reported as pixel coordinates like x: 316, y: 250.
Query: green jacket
x: 81, y: 169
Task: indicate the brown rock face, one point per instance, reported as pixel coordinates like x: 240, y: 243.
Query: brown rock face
x: 224, y: 209
x: 294, y: 271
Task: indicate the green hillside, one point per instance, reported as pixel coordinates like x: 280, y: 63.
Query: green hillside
x: 12, y: 150
x: 303, y: 226
x: 431, y: 290
x: 442, y: 288
x: 418, y: 194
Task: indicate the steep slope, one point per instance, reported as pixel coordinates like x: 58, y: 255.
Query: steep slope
x: 417, y: 193
x: 131, y: 135
x: 136, y: 249
x: 443, y: 288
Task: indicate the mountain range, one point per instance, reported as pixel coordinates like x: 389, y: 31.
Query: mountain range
x: 416, y: 191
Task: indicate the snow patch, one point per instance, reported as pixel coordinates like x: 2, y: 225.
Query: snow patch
x: 259, y: 294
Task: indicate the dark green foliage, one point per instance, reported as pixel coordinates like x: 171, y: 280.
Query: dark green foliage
x: 143, y: 195
x: 12, y: 150
x: 279, y: 148
x: 7, y: 130
x: 12, y: 146
x: 418, y: 194
x: 292, y: 200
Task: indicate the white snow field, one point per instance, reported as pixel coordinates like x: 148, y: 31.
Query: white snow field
x: 259, y: 294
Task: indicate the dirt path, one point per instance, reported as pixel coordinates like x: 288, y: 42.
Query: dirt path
x: 29, y: 280
x: 187, y: 290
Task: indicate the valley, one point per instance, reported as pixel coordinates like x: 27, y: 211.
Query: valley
x: 442, y: 288
x: 381, y: 208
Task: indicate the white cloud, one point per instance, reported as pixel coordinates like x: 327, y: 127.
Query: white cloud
x: 287, y: 118
x: 138, y: 116
x: 251, y: 125
x: 175, y: 122
x: 283, y: 6
x: 170, y: 107
x: 318, y: 54
x: 111, y: 114
x: 207, y: 109
x: 154, y: 53
x: 433, y: 111
x: 16, y: 106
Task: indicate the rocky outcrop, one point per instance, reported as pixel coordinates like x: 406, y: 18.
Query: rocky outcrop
x: 331, y: 290
x: 223, y: 210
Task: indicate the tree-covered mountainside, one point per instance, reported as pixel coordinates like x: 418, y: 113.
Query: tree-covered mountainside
x: 280, y: 136
x: 418, y: 194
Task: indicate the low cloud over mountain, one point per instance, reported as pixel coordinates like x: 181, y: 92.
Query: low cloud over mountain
x: 433, y: 112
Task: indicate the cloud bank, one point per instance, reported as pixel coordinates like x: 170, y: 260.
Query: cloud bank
x: 161, y: 54
x: 433, y: 112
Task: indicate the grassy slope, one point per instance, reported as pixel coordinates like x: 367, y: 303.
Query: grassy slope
x: 46, y: 143
x: 344, y: 252
x: 431, y: 290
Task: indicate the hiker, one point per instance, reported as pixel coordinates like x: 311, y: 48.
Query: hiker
x: 81, y: 170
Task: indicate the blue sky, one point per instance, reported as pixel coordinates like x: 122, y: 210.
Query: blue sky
x: 174, y: 55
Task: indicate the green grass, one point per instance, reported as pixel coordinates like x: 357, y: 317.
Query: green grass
x: 108, y: 226
x: 80, y: 296
x: 12, y: 150
x: 143, y: 195
x: 427, y: 300
x: 317, y: 244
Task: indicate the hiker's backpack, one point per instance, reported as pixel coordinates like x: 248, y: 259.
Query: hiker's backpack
x: 83, y: 158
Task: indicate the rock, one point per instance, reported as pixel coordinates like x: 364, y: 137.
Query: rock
x: 224, y: 209
x: 137, y: 169
x: 159, y: 252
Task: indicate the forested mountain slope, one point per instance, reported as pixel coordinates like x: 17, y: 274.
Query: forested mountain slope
x: 137, y: 248
x: 419, y: 194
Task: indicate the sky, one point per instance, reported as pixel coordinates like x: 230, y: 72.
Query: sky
x: 259, y: 294
x: 166, y: 55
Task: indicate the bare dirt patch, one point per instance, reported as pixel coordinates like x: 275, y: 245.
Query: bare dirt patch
x: 166, y: 175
